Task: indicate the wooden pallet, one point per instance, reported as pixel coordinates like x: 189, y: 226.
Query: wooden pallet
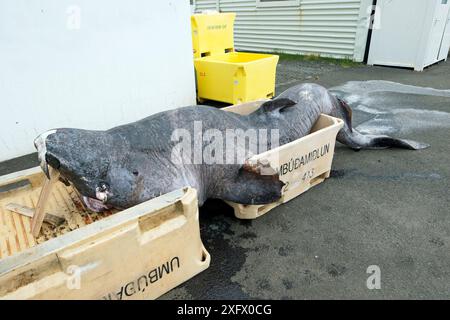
x: 15, y: 228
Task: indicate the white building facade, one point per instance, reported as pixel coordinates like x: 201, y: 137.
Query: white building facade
x: 89, y: 64
x: 329, y: 28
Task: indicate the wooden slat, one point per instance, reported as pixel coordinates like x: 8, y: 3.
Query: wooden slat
x: 52, y: 219
x: 20, y: 233
x: 11, y: 243
x: 3, y: 236
x: 27, y: 222
x: 38, y: 218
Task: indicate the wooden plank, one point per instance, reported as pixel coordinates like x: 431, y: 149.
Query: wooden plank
x: 3, y: 236
x: 11, y: 235
x: 39, y: 214
x: 22, y: 243
x: 27, y: 222
x: 52, y: 219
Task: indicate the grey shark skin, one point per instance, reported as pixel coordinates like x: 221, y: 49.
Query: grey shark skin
x: 133, y: 163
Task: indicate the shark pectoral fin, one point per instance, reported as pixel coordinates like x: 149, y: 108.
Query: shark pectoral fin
x: 277, y: 104
x: 256, y: 184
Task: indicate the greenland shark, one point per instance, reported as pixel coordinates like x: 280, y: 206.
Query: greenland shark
x: 133, y: 163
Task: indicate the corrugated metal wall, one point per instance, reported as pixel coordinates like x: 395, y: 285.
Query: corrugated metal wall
x: 201, y: 5
x: 324, y: 27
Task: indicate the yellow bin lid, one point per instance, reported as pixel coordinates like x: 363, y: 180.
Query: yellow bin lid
x: 212, y: 33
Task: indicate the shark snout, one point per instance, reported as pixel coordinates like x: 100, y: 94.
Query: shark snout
x: 40, y: 144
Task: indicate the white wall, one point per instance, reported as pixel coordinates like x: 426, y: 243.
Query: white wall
x: 127, y: 60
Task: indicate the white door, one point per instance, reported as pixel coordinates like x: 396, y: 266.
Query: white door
x: 445, y: 46
x: 437, y: 31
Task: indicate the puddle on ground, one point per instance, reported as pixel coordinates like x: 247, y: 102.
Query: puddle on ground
x: 384, y: 107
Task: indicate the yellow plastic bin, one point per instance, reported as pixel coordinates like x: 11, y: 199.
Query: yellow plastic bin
x: 212, y: 34
x: 223, y: 74
x: 236, y: 77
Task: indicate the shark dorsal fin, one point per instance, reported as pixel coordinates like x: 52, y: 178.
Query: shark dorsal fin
x: 277, y: 104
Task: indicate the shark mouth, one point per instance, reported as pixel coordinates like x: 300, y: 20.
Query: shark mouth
x: 95, y: 205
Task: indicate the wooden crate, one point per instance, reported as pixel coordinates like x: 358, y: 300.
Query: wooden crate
x: 138, y: 253
x: 301, y: 164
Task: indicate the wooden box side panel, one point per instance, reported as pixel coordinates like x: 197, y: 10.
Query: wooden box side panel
x: 34, y: 175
